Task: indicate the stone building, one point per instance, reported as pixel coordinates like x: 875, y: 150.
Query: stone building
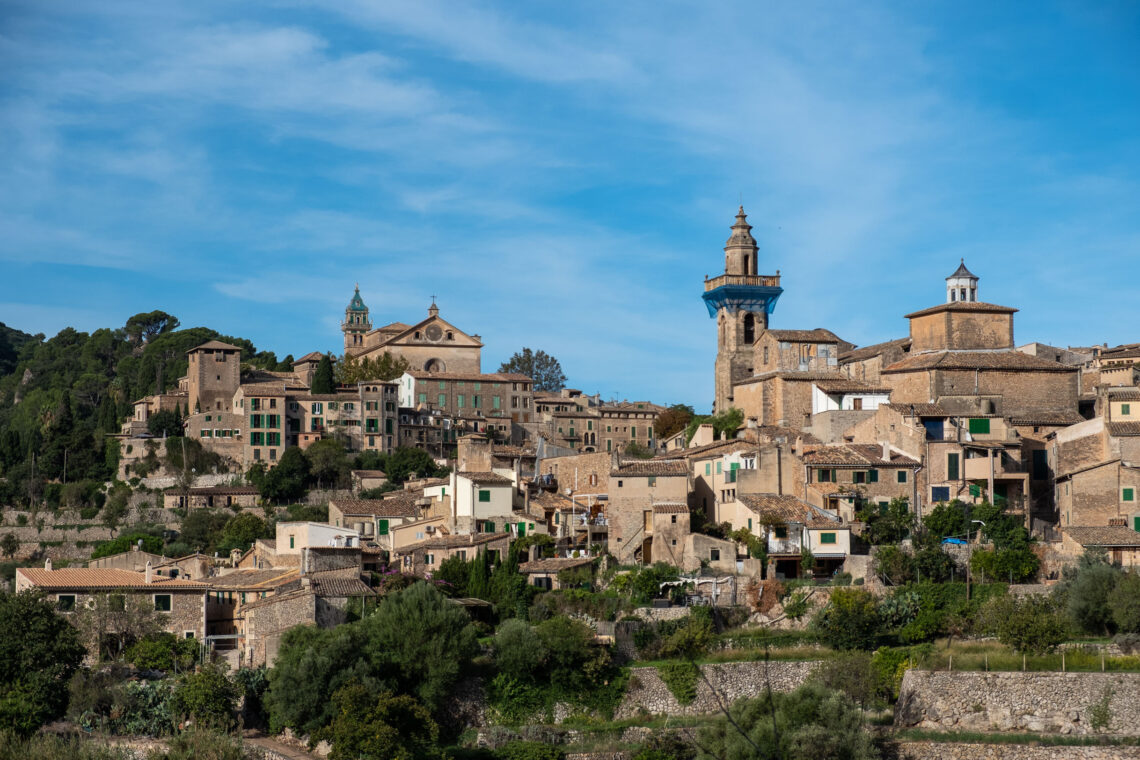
x: 433, y: 345
x: 181, y: 604
x: 1097, y: 466
x: 637, y: 487
x: 841, y: 478
x: 423, y: 558
x: 213, y: 376
x: 210, y: 497
x: 498, y: 398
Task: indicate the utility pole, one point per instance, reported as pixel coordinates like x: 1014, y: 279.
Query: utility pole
x: 970, y: 557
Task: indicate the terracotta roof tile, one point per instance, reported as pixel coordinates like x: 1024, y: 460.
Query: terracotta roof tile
x: 269, y: 578
x: 485, y: 478
x: 857, y: 455
x: 553, y: 564
x: 868, y: 352
x: 454, y: 542
x: 651, y: 467
x: 976, y: 306
x: 391, y: 507
x: 778, y: 506
x: 1114, y: 535
x: 818, y: 335
x: 996, y: 360
x: 1124, y: 429
x: 670, y: 509
x: 214, y: 345
x: 919, y: 410
x: 849, y: 386
x: 102, y: 578
x: 494, y: 377
x: 1047, y: 418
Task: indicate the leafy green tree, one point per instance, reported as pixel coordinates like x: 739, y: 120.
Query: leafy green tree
x: 328, y: 462
x: 539, y: 366
x: 164, y: 424
x: 665, y: 747
x: 810, y: 723
x: 208, y: 697
x: 1016, y: 564
x: 850, y: 620
x: 163, y: 651
x: 10, y: 545
x: 519, y: 651
x: 1124, y: 603
x: 388, y: 726
x: 1087, y: 590
x: 405, y: 463
x: 637, y: 451
x: 886, y: 526
x: 323, y: 381
x: 126, y: 543
x: 39, y: 652
x: 312, y: 664
x: 478, y: 579
x: 452, y: 576
x: 1032, y: 624
x: 241, y: 531
x: 351, y: 370
x: 286, y: 481
x: 202, y: 529
x: 419, y: 643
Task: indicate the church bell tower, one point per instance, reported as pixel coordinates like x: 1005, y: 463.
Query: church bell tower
x: 356, y: 323
x: 740, y: 300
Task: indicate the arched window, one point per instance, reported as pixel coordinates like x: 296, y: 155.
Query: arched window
x: 749, y: 328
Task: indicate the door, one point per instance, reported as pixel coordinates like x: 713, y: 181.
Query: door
x: 522, y: 530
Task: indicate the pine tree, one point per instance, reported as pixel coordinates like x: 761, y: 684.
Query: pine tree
x: 479, y: 582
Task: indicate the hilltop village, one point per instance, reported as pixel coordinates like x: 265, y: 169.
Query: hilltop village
x: 951, y: 453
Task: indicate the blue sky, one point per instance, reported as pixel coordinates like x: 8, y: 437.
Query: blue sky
x: 563, y: 175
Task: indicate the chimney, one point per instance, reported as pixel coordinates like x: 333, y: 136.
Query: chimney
x: 886, y: 451
x: 306, y: 582
x: 47, y: 564
x: 149, y: 573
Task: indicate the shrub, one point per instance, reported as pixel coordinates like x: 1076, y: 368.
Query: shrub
x: 529, y: 751
x: 665, y: 747
x: 150, y: 543
x: 207, y: 697
x: 1032, y: 624
x: 519, y: 652
x: 894, y: 565
x: 1124, y: 603
x: 387, y: 726
x: 850, y: 620
x: 163, y: 651
x: 681, y: 678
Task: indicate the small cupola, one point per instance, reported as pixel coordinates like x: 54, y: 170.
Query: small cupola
x: 962, y: 285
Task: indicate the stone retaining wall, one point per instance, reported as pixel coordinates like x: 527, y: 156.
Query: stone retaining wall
x: 647, y: 694
x: 957, y: 751
x: 1039, y: 702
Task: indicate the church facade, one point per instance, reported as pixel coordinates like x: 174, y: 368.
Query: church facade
x: 432, y: 345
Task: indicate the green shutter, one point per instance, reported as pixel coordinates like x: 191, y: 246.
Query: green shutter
x: 749, y: 524
x: 975, y: 490
x: 484, y: 496
x: 1136, y: 523
x: 952, y: 466
x: 1129, y: 494
x: 872, y: 476
x: 827, y: 538
x: 708, y: 468
x: 901, y: 476
x: 382, y: 527
x: 979, y: 425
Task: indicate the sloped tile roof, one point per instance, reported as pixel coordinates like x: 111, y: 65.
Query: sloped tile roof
x: 453, y: 542
x: 995, y: 360
x: 1109, y: 535
x: 919, y: 410
x: 1124, y: 429
x: 554, y: 564
x: 780, y: 506
x: 396, y: 506
x: 849, y: 386
x: 652, y: 467
x: 1047, y: 418
x: 670, y: 509
x: 102, y: 578
x: 269, y: 578
x: 818, y: 335
x: 857, y: 454
x: 976, y: 306
x: 868, y: 352
x: 214, y: 345
x: 485, y: 478
x: 475, y: 377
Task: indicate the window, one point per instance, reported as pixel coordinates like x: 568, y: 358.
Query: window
x: 1129, y: 494
x: 780, y: 531
x: 65, y: 602
x: 460, y: 401
x: 708, y: 468
x: 652, y: 480
x: 381, y: 527
x: 619, y: 484
x: 484, y: 496
x: 429, y: 559
x: 442, y: 400
x: 872, y: 476
x: 940, y: 494
x: 497, y: 402
x: 951, y: 466
x: 980, y: 426
x: 719, y: 468
x: 633, y: 432
x: 824, y: 476
x: 162, y: 602
x: 858, y: 477
x: 714, y: 555
x: 292, y: 542
x: 422, y: 398
x: 317, y: 408
x: 118, y: 602
x: 901, y: 476
x: 827, y: 538
x: 1125, y: 409
x: 318, y: 423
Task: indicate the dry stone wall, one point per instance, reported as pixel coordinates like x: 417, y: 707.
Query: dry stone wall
x: 647, y: 694
x: 957, y: 751
x: 1067, y: 703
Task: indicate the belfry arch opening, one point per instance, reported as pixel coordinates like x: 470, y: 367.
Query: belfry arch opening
x: 749, y: 329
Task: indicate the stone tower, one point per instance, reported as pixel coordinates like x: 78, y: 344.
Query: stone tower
x: 740, y: 300
x: 962, y: 285
x: 355, y: 324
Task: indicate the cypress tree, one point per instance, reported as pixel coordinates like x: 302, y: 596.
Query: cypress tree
x: 323, y: 377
